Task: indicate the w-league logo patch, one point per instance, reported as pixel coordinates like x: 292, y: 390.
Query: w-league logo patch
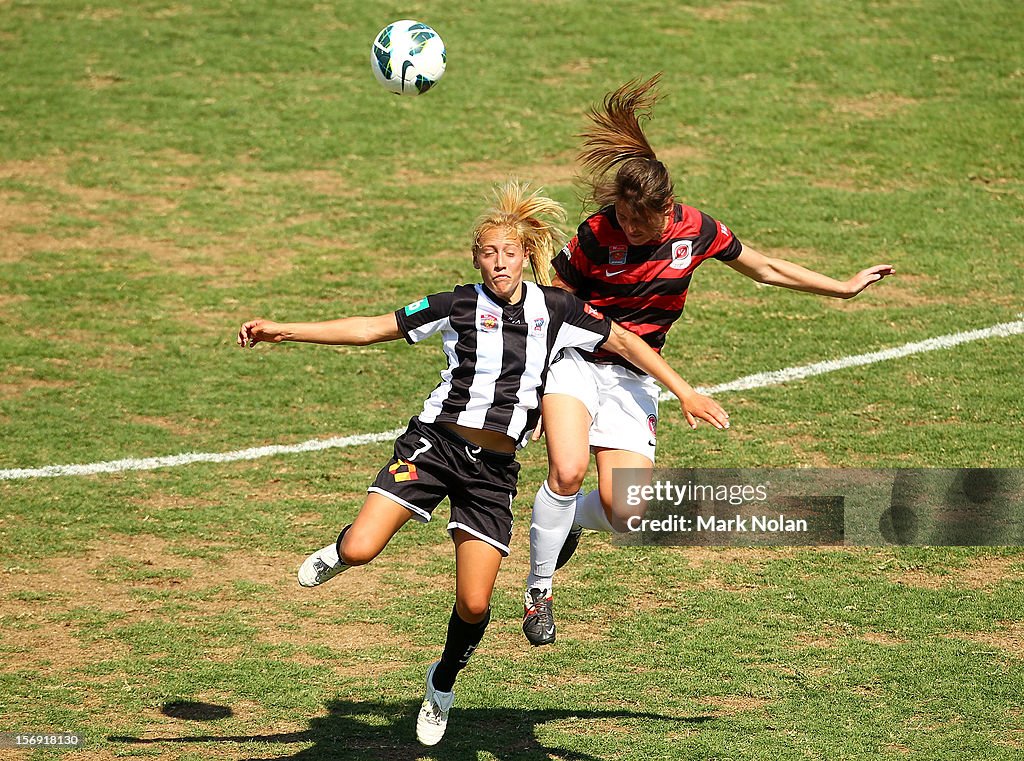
x: 409, y: 474
x: 538, y: 325
x: 617, y: 254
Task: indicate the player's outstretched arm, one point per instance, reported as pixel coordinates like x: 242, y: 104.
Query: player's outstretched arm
x: 785, y: 274
x: 633, y: 348
x: 348, y: 331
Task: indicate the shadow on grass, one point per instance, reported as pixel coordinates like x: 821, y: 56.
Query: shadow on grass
x: 386, y: 731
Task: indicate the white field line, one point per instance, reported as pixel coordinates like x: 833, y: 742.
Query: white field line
x: 171, y: 461
x: 758, y: 380
x: 777, y: 377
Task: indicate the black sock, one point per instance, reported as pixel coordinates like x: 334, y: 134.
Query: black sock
x: 458, y: 647
x: 341, y: 536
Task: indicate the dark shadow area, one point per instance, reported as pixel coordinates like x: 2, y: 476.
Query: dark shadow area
x: 387, y: 731
x: 193, y: 711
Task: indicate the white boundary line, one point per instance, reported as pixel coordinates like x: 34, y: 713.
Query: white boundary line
x: 758, y: 380
x: 777, y: 377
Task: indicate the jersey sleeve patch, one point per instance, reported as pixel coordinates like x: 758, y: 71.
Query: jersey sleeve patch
x: 417, y: 306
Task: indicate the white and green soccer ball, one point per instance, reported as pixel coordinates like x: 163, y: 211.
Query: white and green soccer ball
x: 408, y: 57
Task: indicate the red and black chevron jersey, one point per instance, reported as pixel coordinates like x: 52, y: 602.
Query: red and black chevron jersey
x: 498, y: 353
x: 643, y: 288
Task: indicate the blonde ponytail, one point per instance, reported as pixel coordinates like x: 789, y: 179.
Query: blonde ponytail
x: 522, y: 214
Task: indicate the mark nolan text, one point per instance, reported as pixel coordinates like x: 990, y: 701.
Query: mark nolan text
x: 739, y: 524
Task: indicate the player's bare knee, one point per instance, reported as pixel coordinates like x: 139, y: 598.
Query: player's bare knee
x: 620, y: 514
x: 568, y: 478
x: 355, y: 550
x: 472, y: 608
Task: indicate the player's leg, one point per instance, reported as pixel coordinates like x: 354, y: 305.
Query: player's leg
x: 598, y: 509
x: 567, y: 414
x: 409, y: 486
x: 476, y: 569
x: 361, y: 541
x: 566, y: 424
x: 624, y: 435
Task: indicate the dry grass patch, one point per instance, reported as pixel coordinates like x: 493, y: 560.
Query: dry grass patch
x: 815, y: 641
x: 558, y: 171
x: 983, y: 573
x: 881, y: 638
x: 879, y: 105
x: 736, y: 12
x: 1010, y: 638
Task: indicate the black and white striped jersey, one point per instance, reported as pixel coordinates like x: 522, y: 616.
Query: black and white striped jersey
x: 498, y: 353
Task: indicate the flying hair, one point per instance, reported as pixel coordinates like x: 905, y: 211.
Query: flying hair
x: 531, y: 218
x: 615, y: 140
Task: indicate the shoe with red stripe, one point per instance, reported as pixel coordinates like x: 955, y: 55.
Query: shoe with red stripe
x: 538, y: 620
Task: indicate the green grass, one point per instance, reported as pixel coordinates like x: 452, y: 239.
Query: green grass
x: 167, y: 171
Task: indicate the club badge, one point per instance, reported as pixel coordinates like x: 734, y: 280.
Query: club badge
x: 682, y: 254
x: 487, y: 322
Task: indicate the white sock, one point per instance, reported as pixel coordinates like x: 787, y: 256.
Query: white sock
x: 590, y: 513
x: 552, y: 521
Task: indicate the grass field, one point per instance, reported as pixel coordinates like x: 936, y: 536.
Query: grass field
x: 169, y: 170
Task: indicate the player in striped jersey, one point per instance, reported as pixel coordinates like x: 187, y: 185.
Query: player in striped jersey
x: 498, y: 337
x: 633, y: 259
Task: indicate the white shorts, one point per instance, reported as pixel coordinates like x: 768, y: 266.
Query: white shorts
x: 623, y: 406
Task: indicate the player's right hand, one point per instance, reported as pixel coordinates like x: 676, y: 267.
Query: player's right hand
x: 254, y: 331
x: 704, y: 408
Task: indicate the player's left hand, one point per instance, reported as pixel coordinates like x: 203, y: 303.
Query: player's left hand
x: 864, y: 278
x: 704, y: 408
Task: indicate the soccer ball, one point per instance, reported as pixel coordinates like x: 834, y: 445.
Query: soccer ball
x: 408, y: 58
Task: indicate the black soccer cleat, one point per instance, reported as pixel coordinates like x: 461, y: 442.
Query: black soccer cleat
x: 569, y: 546
x: 538, y: 621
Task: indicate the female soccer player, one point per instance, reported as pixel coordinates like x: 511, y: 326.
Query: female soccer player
x: 499, y: 338
x: 633, y: 260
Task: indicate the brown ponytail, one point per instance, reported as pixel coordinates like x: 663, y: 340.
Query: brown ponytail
x: 616, y: 140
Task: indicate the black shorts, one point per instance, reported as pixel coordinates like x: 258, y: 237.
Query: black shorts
x: 432, y: 462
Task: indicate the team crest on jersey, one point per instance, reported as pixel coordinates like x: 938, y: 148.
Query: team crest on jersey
x: 409, y: 474
x: 538, y: 325
x: 682, y: 254
x: 617, y: 254
x: 487, y: 322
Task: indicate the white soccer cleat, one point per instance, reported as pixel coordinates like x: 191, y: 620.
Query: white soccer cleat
x: 433, y: 718
x: 323, y: 565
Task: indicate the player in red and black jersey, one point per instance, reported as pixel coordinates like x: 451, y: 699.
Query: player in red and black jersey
x: 499, y: 337
x: 642, y: 286
x: 632, y: 260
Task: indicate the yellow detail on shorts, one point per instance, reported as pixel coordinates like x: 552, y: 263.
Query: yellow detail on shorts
x: 408, y: 475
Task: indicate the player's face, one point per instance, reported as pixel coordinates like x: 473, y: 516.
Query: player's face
x: 640, y: 229
x: 500, y: 260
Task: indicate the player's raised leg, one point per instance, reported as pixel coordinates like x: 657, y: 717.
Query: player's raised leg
x: 613, y: 516
x: 359, y: 543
